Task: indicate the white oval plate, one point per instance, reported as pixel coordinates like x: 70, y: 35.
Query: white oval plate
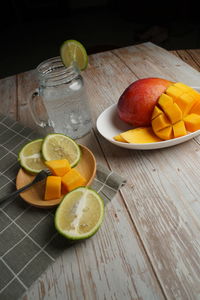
x: 109, y: 124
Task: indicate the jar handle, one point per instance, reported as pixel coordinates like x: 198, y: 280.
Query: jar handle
x: 32, y: 103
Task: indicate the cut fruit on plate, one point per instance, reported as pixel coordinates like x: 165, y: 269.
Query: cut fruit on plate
x: 59, y: 146
x: 109, y: 125
x: 30, y: 157
x: 35, y: 195
x: 73, y: 51
x: 80, y: 214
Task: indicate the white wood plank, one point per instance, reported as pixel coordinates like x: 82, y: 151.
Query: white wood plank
x: 8, y: 98
x: 27, y: 83
x: 149, y: 60
x: 163, y: 191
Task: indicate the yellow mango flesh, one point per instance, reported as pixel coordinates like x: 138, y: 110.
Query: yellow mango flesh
x: 179, y: 129
x: 174, y: 113
x: 183, y: 96
x: 119, y: 138
x: 157, y: 111
x: 196, y: 108
x: 165, y: 101
x: 140, y: 135
x: 183, y: 87
x: 52, y: 188
x: 58, y: 167
x: 72, y: 180
x: 166, y: 133
x: 185, y: 102
x: 192, y: 122
x: 177, y: 108
x: 160, y: 123
x: 174, y: 92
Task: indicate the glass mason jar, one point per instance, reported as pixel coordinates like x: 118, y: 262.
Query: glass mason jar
x: 64, y: 97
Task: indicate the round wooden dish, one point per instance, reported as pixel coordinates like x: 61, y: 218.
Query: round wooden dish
x: 35, y: 195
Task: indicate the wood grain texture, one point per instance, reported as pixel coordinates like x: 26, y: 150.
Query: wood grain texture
x: 191, y: 57
x: 163, y: 191
x: 8, y: 97
x: 148, y: 246
x: 147, y: 60
x: 27, y: 83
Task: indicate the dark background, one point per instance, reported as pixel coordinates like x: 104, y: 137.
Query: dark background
x: 32, y: 31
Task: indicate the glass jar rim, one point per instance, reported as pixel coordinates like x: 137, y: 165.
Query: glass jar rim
x: 53, y: 72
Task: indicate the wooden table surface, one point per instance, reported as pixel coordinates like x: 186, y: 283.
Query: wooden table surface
x: 149, y: 244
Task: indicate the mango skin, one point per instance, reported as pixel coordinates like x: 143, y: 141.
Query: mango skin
x: 136, y: 104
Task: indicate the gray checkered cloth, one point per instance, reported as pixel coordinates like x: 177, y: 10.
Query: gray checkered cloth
x: 29, y: 242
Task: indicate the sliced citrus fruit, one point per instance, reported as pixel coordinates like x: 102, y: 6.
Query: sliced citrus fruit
x: 30, y: 157
x: 80, y: 214
x: 73, y: 51
x: 59, y: 146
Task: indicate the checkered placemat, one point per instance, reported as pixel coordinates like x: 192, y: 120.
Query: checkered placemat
x: 29, y: 242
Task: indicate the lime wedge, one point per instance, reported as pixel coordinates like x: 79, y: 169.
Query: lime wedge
x: 30, y: 157
x: 59, y: 146
x: 74, y: 51
x: 80, y: 214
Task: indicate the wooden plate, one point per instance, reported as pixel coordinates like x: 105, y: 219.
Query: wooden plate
x: 35, y: 195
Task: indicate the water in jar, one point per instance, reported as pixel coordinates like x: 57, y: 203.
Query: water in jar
x: 67, y: 108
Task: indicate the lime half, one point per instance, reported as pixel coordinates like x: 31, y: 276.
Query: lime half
x: 74, y: 51
x: 30, y: 157
x: 59, y: 146
x: 80, y: 214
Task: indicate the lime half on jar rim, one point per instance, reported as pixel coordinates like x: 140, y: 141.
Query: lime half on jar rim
x: 73, y: 51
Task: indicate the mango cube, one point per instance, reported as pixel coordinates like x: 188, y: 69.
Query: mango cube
x: 72, y: 180
x: 192, y: 122
x: 195, y: 95
x: 185, y: 102
x: 165, y: 101
x: 196, y: 108
x: 174, y: 113
x: 160, y: 123
x: 179, y: 129
x: 181, y: 95
x: 187, y: 89
x: 183, y: 87
x: 156, y: 112
x: 165, y: 134
x: 52, y: 188
x: 174, y: 104
x: 58, y: 167
x: 174, y: 91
